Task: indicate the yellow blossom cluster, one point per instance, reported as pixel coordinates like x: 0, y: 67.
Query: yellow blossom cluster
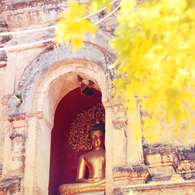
x: 156, y: 65
x: 71, y: 28
x: 99, y: 4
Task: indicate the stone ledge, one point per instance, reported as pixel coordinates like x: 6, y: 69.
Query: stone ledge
x: 162, y: 162
x: 17, y: 134
x: 24, y: 4
x: 186, y: 154
x: 5, y: 99
x: 157, y: 187
x: 3, y: 63
x: 11, y: 185
x: 3, y: 57
x: 188, y: 175
x: 186, y: 166
x: 165, y: 160
x: 137, y: 174
x: 158, y: 149
x: 15, y: 117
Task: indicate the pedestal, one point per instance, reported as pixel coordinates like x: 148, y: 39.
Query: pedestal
x: 93, y: 193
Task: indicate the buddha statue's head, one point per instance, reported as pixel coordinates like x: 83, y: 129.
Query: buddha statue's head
x: 97, y: 136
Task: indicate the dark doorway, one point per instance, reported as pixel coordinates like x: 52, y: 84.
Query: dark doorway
x: 63, y: 159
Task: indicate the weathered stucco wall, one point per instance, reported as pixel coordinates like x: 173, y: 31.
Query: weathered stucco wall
x: 44, y: 74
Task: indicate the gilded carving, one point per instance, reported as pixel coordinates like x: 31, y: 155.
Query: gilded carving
x: 78, y: 137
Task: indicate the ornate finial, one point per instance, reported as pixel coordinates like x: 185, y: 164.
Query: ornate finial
x: 97, y: 122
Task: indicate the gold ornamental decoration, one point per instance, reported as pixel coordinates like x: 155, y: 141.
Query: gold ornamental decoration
x: 78, y: 137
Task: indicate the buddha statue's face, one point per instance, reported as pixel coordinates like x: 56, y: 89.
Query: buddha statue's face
x: 97, y: 139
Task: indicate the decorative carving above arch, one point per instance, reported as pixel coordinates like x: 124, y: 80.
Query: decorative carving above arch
x: 95, y: 51
x: 88, y: 54
x: 60, y: 80
x: 100, y: 45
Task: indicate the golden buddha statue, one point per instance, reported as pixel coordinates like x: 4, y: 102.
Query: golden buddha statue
x: 94, y: 161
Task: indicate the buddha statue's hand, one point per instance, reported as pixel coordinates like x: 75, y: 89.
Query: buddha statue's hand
x: 96, y: 181
x: 85, y: 185
x: 100, y: 181
x: 83, y: 181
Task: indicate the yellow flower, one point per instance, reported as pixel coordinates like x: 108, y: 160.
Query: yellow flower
x: 155, y: 41
x: 72, y: 28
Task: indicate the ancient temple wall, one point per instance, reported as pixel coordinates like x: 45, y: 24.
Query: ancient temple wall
x: 44, y: 74
x: 23, y: 71
x: 17, y: 17
x: 40, y: 98
x: 17, y: 62
x: 22, y: 14
x: 44, y: 116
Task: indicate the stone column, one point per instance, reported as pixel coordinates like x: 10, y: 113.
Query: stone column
x: 29, y: 173
x: 119, y: 121
x: 37, y: 162
x: 17, y: 145
x: 7, y: 142
x: 6, y: 150
x: 109, y: 147
x: 134, y: 171
x: 13, y: 170
x: 134, y: 147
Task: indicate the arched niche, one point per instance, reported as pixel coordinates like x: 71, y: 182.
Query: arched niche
x: 56, y: 83
x: 96, y: 51
x: 63, y: 158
